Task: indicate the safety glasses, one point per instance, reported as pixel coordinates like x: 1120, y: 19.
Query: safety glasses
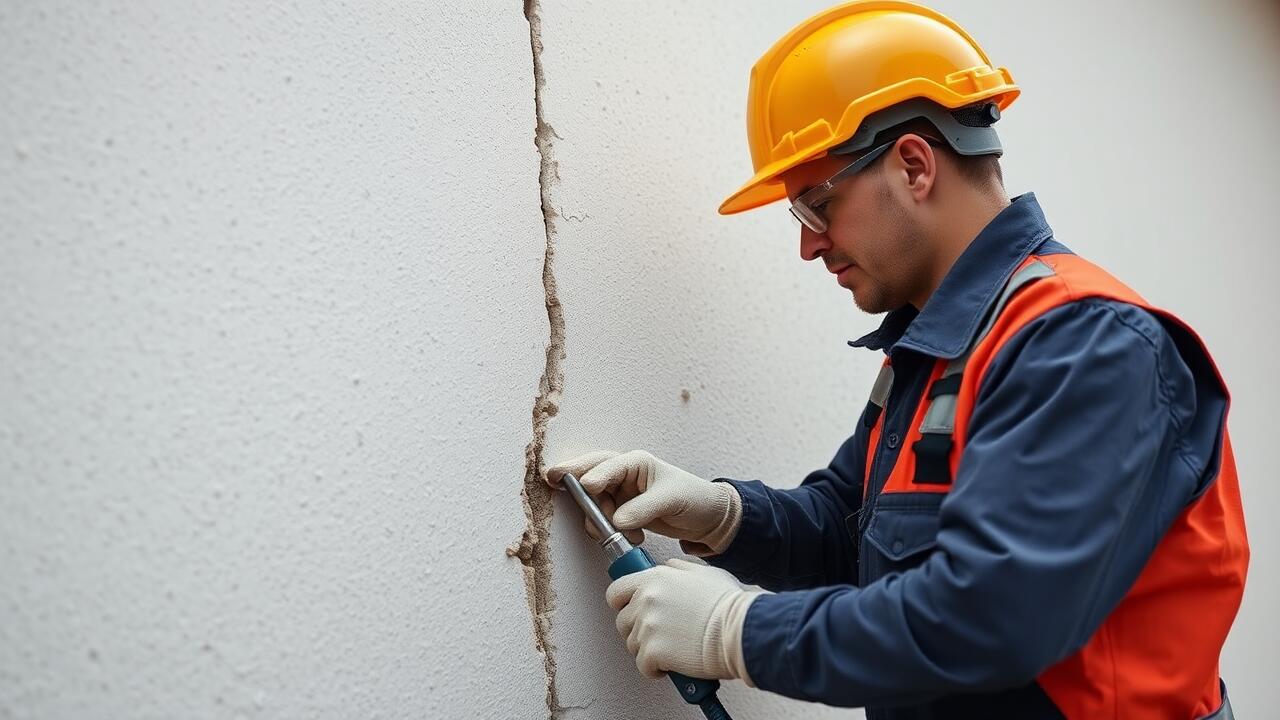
x: 808, y: 207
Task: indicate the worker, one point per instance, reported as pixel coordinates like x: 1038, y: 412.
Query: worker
x: 1037, y: 514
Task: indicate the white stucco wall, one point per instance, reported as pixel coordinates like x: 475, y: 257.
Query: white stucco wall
x: 272, y: 323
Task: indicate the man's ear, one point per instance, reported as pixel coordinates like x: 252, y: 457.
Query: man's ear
x: 917, y: 165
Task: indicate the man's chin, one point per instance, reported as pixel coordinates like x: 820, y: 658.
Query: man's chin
x: 870, y: 305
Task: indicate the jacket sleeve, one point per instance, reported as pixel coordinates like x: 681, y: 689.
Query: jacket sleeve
x: 798, y: 538
x: 1087, y: 440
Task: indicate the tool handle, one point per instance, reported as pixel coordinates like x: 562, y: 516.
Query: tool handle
x: 713, y: 710
x: 633, y: 561
x: 695, y: 691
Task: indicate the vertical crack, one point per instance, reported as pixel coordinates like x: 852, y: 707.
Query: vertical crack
x: 532, y: 550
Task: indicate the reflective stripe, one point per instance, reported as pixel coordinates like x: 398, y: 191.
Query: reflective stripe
x: 940, y: 415
x: 1036, y: 270
x: 884, y: 383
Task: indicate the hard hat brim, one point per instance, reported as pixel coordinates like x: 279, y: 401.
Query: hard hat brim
x: 760, y: 190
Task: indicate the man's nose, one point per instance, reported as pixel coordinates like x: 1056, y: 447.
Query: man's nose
x: 812, y: 244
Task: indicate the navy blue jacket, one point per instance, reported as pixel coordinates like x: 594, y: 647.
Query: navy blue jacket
x: 1080, y: 454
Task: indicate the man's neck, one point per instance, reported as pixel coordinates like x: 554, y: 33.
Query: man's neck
x: 962, y: 226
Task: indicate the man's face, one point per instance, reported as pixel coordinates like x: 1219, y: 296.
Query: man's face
x: 873, y: 244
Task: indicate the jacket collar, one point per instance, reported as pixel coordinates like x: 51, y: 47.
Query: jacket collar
x: 946, y: 325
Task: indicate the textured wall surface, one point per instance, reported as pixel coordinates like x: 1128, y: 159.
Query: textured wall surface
x: 274, y: 324
x: 270, y: 327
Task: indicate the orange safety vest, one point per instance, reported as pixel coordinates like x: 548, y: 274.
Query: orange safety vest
x: 1156, y: 654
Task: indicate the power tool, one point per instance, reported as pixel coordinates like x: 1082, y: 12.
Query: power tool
x: 624, y: 559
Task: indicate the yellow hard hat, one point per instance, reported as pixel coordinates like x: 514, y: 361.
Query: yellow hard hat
x: 813, y: 89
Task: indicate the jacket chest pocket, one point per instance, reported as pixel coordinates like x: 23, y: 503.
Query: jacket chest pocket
x: 903, y: 531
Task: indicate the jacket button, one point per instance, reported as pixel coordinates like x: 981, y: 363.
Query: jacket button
x: 897, y: 546
x: 893, y: 440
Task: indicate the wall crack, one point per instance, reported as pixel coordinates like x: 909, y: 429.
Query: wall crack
x: 532, y: 550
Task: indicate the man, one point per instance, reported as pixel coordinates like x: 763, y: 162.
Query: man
x: 1037, y: 515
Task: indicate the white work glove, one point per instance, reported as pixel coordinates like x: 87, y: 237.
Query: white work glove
x: 639, y: 491
x: 683, y: 617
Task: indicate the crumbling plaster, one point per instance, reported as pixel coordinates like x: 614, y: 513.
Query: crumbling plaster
x: 533, y: 549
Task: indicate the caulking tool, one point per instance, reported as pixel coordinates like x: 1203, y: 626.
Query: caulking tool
x: 624, y: 559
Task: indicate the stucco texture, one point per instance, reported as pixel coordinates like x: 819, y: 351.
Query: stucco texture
x: 275, y: 311
x: 270, y: 327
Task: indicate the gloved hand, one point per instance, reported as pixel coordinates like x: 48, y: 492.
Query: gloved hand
x: 683, y: 617
x: 637, y: 490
